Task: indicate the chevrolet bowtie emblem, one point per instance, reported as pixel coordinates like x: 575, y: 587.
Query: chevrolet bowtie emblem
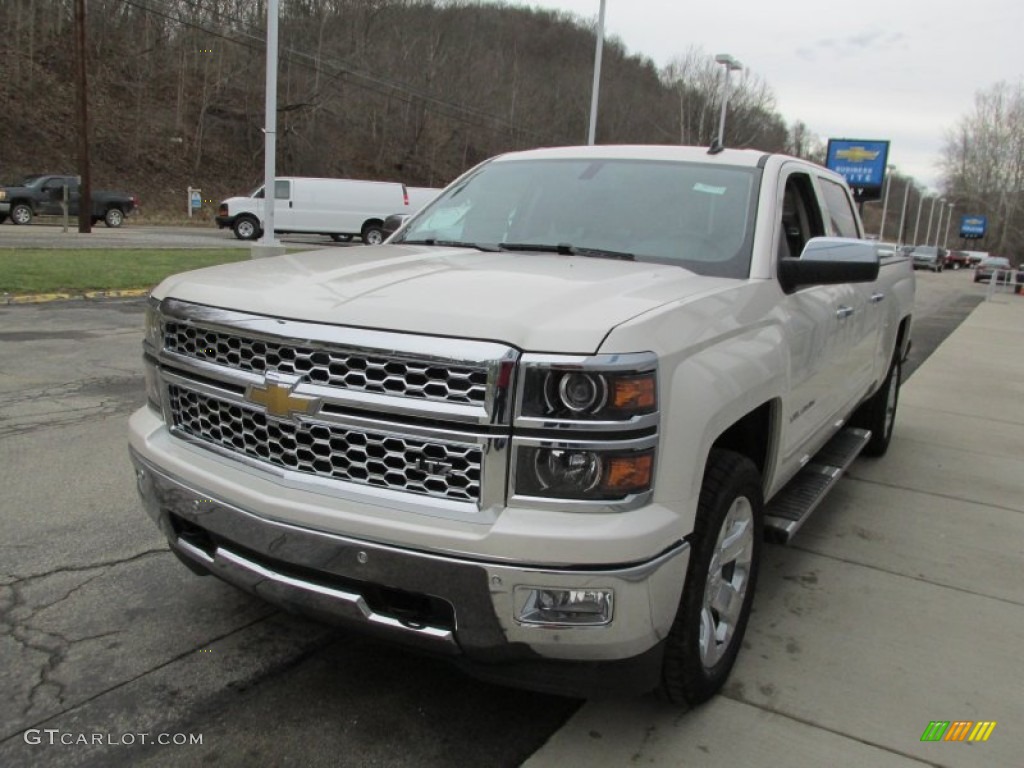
x: 856, y: 154
x: 278, y: 397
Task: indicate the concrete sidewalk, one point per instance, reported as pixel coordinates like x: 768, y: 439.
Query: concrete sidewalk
x: 899, y: 603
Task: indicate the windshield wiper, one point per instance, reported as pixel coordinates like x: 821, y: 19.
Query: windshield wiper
x: 566, y: 249
x: 451, y: 244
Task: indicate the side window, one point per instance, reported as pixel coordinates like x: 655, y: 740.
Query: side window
x: 840, y: 212
x: 282, y: 189
x: 800, y: 217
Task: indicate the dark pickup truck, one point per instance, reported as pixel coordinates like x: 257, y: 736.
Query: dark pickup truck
x: 43, y: 194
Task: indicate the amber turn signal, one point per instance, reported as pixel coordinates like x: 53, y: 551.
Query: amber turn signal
x: 629, y: 474
x: 634, y: 393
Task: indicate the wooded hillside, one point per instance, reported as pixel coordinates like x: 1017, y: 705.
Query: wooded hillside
x: 404, y: 90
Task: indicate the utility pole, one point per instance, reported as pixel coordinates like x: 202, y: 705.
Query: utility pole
x: 901, y: 237
x: 81, y: 98
x: 596, y: 90
x: 269, y: 245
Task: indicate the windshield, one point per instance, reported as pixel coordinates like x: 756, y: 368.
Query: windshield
x: 697, y: 216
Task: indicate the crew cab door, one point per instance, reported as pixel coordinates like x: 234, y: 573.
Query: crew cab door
x: 861, y: 327
x: 815, y: 318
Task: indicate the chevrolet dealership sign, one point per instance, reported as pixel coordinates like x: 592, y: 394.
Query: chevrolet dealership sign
x: 973, y: 227
x: 862, y: 163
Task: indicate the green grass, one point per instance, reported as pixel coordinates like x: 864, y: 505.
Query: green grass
x: 24, y: 270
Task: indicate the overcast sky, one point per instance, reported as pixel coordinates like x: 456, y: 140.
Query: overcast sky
x: 902, y: 70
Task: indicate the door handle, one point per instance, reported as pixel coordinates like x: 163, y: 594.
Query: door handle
x: 843, y: 312
x: 877, y: 297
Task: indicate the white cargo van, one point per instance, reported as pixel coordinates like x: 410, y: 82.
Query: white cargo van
x: 341, y: 208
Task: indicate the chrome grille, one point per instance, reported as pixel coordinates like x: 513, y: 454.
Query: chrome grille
x: 431, y: 468
x: 330, y: 366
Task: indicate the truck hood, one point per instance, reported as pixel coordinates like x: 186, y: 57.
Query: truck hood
x: 536, y: 301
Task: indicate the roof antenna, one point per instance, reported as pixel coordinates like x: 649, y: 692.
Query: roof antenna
x: 716, y: 146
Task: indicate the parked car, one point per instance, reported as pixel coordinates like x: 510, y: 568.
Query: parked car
x: 994, y: 265
x: 340, y: 208
x: 927, y: 257
x: 44, y: 194
x: 974, y: 258
x: 956, y: 260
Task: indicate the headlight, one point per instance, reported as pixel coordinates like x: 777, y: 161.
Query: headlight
x: 598, y: 474
x: 610, y: 388
x: 154, y: 338
x: 152, y: 377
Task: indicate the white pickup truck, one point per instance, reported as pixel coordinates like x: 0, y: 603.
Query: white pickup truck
x: 544, y: 429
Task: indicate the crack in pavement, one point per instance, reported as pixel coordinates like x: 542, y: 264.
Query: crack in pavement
x: 91, y: 566
x: 18, y: 614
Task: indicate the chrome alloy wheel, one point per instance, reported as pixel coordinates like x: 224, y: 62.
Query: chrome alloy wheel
x: 728, y: 578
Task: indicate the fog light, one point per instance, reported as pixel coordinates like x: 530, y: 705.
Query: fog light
x: 545, y: 606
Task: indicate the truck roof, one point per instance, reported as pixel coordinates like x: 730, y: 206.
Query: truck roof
x: 741, y: 157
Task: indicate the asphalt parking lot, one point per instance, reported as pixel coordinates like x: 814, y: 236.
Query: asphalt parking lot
x: 898, y: 604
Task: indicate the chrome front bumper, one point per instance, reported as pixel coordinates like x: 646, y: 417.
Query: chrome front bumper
x: 453, y: 606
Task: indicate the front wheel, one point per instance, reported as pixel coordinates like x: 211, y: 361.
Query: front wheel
x: 341, y: 238
x: 878, y: 412
x: 246, y: 228
x: 708, y: 629
x: 21, y: 214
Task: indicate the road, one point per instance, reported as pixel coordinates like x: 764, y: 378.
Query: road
x: 104, y: 635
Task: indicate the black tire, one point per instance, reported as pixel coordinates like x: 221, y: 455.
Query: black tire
x: 113, y: 218
x: 3, y: 218
x: 730, y: 499
x: 341, y: 238
x: 246, y: 228
x: 373, y: 234
x: 21, y: 214
x: 878, y: 412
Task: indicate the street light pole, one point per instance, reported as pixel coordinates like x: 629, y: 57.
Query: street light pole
x: 903, y: 213
x: 917, y: 224
x: 931, y: 214
x: 595, y: 91
x: 268, y: 241
x: 938, y: 224
x: 885, y: 201
x: 949, y: 218
x: 729, y: 64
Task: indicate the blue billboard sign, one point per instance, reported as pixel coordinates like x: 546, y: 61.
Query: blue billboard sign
x: 973, y: 227
x: 861, y: 162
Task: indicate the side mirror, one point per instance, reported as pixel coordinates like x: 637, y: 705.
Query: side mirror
x: 831, y: 260
x: 393, y: 222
